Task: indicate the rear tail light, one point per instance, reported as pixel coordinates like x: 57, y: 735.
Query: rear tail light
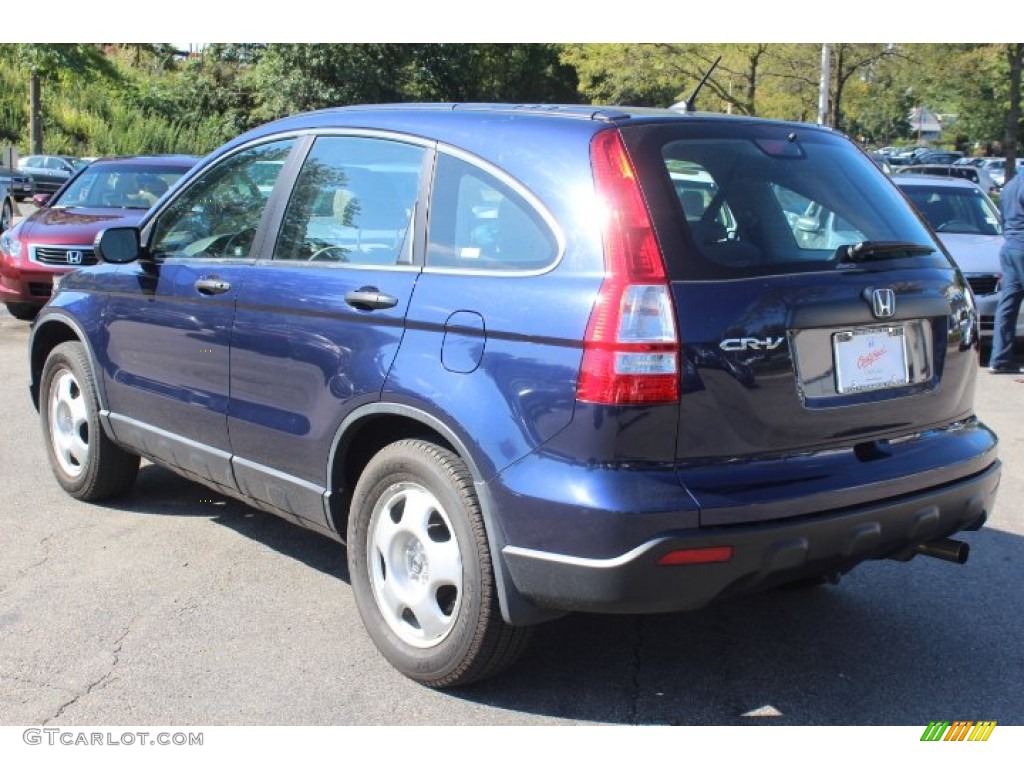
x: 631, y: 350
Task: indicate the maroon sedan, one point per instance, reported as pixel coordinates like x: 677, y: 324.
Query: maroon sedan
x: 59, y: 237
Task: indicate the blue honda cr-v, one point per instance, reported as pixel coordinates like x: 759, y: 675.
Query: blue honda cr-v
x: 532, y: 360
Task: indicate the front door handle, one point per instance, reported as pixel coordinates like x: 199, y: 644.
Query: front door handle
x: 370, y: 298
x: 211, y: 286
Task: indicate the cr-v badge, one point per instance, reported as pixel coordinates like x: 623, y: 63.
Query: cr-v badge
x: 739, y: 345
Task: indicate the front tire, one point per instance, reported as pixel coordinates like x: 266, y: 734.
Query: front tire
x: 6, y: 216
x: 23, y: 311
x: 421, y: 568
x: 86, y: 463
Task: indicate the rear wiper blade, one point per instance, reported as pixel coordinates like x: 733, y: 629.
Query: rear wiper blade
x: 867, y: 250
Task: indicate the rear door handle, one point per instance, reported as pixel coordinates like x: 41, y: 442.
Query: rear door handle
x: 370, y: 298
x: 211, y: 286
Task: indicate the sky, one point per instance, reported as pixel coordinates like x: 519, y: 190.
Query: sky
x: 518, y: 21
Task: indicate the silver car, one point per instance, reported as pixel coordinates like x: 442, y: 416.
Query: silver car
x: 8, y: 207
x: 969, y: 225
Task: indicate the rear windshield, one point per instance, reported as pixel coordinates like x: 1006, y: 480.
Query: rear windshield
x: 736, y: 199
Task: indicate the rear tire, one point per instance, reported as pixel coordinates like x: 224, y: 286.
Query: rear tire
x: 421, y: 568
x: 86, y: 463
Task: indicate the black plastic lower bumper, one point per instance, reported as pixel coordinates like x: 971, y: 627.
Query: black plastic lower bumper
x: 763, y: 555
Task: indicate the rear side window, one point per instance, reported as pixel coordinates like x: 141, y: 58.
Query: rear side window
x: 731, y: 199
x: 477, y: 221
x: 353, y: 202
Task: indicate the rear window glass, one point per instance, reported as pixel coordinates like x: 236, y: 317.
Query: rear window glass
x: 745, y: 199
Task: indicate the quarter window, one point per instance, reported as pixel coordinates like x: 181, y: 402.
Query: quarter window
x: 478, y: 221
x: 218, y: 215
x: 353, y: 202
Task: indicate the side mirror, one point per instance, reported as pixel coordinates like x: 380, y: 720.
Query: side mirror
x: 40, y: 200
x: 118, y: 245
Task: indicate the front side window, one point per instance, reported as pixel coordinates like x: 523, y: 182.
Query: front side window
x: 353, y: 202
x: 477, y: 221
x: 217, y: 216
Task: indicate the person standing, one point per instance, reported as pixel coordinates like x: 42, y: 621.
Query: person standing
x: 1011, y: 258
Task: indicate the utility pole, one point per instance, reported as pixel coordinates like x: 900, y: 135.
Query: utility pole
x: 826, y: 77
x: 1015, y: 58
x: 35, y: 124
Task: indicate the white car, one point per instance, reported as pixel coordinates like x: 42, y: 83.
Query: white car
x: 969, y: 226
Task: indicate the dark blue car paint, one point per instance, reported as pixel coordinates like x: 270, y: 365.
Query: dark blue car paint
x: 271, y: 380
x: 301, y: 360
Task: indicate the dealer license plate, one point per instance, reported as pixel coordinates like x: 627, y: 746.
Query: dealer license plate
x: 870, y: 358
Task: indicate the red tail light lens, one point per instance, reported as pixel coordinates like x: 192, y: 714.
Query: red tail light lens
x: 631, y: 351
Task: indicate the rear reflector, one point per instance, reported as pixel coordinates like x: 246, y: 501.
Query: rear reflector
x: 695, y: 556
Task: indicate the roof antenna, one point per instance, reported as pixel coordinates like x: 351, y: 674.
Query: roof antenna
x: 690, y: 105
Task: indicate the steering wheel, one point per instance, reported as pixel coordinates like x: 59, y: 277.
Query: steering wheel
x: 330, y: 253
x: 241, y: 239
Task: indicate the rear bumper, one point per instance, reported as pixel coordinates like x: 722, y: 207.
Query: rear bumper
x: 21, y: 190
x: 987, y: 316
x: 763, y: 554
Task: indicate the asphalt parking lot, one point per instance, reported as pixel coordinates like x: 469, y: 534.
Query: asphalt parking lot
x: 179, y: 607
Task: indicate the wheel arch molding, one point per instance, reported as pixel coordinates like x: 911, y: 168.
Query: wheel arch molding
x: 370, y: 428
x: 51, y: 329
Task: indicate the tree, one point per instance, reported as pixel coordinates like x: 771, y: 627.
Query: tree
x: 639, y: 75
x: 875, y: 105
x: 46, y: 61
x: 850, y: 59
x: 772, y: 80
x: 520, y: 72
x: 286, y: 78
x: 966, y: 81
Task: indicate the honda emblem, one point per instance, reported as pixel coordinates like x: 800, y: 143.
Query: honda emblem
x: 74, y: 257
x: 883, y: 302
